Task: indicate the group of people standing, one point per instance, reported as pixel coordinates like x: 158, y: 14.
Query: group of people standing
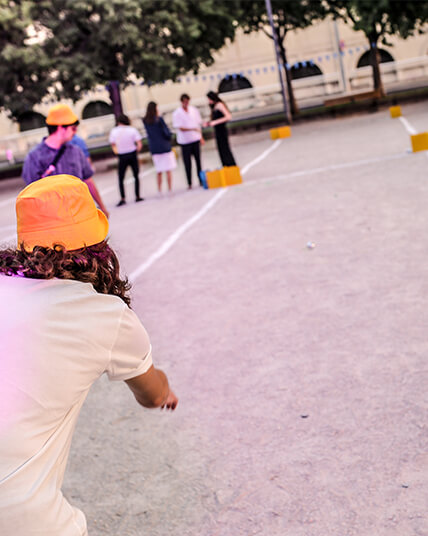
x: 187, y: 122
x: 63, y: 152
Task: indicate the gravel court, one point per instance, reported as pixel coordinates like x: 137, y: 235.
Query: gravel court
x: 299, y: 371
x: 257, y: 332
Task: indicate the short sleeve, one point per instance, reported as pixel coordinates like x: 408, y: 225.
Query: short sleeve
x: 137, y: 135
x: 175, y: 120
x: 131, y: 353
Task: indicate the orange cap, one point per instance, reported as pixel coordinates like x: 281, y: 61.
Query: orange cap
x: 61, y: 114
x: 59, y: 209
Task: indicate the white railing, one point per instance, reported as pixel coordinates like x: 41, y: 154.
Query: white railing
x: 246, y: 103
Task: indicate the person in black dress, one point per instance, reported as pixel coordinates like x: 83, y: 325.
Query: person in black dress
x: 220, y: 115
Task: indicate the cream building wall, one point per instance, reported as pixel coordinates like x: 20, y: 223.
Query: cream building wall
x: 252, y: 55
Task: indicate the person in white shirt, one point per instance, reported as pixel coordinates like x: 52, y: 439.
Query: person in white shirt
x: 187, y: 122
x: 126, y: 143
x: 65, y: 320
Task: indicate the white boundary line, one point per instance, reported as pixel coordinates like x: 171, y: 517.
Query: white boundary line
x: 169, y: 242
x: 332, y: 167
x: 412, y: 131
x: 407, y: 125
x: 261, y: 157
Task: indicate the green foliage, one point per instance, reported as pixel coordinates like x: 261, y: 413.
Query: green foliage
x: 383, y: 17
x: 287, y: 14
x: 79, y: 44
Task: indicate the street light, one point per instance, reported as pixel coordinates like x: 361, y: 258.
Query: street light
x: 278, y: 62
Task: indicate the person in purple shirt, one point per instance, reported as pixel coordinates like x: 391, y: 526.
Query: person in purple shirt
x: 55, y: 154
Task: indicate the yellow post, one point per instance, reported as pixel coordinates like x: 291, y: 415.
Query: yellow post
x: 395, y: 111
x: 232, y: 175
x: 284, y: 132
x: 419, y: 142
x: 216, y: 178
x: 274, y: 133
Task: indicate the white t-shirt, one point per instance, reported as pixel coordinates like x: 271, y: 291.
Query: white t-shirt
x: 189, y: 119
x: 56, y: 338
x: 125, y: 138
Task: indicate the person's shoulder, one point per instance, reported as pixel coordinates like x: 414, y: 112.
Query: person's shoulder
x: 37, y: 148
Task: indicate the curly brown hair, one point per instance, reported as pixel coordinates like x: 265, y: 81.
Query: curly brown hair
x: 97, y: 264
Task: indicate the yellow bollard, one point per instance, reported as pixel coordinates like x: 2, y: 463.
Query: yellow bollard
x: 419, y: 142
x: 284, y: 132
x: 216, y: 178
x: 274, y: 133
x: 232, y: 175
x: 280, y: 132
x: 395, y: 111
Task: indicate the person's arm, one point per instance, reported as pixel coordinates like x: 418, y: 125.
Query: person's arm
x: 151, y: 390
x: 138, y: 145
x: 96, y: 195
x: 227, y: 116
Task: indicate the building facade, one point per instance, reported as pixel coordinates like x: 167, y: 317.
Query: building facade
x: 326, y: 60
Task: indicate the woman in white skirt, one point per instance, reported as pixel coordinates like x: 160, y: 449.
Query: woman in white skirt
x: 159, y: 137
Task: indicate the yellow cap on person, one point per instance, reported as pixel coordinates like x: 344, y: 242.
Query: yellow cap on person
x: 59, y: 209
x: 61, y: 114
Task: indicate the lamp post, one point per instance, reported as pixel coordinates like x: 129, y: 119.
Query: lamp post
x: 278, y: 62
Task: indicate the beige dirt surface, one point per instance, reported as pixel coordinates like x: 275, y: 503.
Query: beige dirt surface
x: 291, y: 319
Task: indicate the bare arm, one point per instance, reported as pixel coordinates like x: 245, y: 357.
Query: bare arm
x: 96, y: 195
x: 151, y: 390
x: 227, y: 115
x: 139, y: 145
x: 189, y: 129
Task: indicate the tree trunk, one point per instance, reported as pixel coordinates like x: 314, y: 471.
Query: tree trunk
x: 116, y: 102
x: 294, y: 109
x: 374, y: 61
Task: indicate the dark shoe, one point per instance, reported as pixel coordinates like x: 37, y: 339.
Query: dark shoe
x: 139, y: 199
x: 189, y: 187
x: 121, y: 202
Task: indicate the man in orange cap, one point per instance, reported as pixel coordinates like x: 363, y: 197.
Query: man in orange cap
x: 55, y: 155
x: 66, y: 320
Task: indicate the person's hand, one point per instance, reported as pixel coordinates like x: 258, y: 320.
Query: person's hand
x: 206, y: 124
x: 202, y: 141
x: 170, y: 402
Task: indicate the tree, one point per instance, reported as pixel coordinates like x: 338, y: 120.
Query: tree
x: 380, y: 19
x: 78, y: 44
x: 288, y: 15
x: 23, y: 63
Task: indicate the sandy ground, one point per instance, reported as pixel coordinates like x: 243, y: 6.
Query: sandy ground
x: 301, y: 371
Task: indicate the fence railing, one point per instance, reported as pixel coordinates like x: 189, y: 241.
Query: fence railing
x: 246, y: 103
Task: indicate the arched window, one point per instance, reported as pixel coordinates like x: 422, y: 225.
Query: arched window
x: 95, y: 109
x: 234, y: 82
x: 303, y: 69
x: 31, y: 120
x: 384, y: 56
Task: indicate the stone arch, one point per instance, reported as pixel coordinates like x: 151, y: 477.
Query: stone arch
x: 31, y: 120
x: 234, y: 82
x: 96, y: 109
x: 303, y: 69
x: 384, y: 57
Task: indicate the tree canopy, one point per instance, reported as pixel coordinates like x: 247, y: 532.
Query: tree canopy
x: 381, y: 19
x: 287, y: 16
x: 66, y: 47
